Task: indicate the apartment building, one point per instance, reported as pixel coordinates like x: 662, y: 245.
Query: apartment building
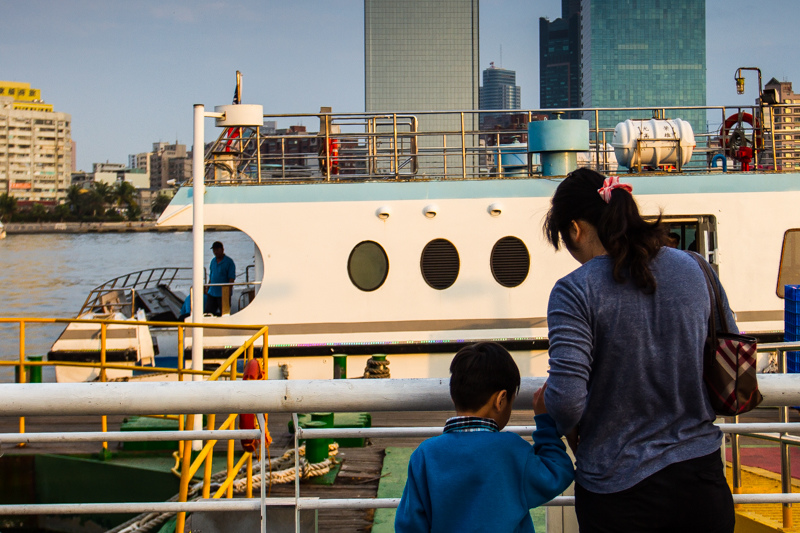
x: 35, y: 146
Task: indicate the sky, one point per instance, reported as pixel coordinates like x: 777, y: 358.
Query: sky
x: 129, y: 72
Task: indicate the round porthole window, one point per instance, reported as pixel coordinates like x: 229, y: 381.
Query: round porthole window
x: 510, y: 262
x: 440, y: 263
x: 368, y: 265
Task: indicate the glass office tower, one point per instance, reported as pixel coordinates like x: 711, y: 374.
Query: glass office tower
x: 420, y: 55
x: 559, y: 58
x: 500, y: 89
x: 637, y: 53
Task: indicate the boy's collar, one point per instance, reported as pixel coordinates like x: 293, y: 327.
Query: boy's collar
x: 466, y: 424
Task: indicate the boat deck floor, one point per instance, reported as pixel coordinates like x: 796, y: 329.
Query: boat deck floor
x: 360, y: 474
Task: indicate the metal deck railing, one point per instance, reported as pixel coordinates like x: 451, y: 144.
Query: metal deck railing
x: 430, y: 145
x: 291, y: 397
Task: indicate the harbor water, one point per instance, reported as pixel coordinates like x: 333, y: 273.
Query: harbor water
x: 50, y: 275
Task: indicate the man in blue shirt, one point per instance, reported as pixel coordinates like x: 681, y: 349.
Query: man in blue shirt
x: 221, y: 270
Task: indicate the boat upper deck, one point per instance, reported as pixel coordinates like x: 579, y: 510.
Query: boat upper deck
x: 447, y: 145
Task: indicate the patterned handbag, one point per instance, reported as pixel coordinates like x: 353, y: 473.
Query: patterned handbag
x: 729, y: 369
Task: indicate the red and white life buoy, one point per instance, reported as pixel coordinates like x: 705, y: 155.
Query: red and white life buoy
x: 252, y: 370
x: 735, y: 142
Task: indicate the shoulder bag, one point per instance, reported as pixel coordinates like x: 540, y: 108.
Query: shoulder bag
x: 729, y: 366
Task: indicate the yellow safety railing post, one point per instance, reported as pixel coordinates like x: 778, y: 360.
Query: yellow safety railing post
x: 22, y: 376
x: 209, y: 460
x: 181, y: 349
x: 264, y: 352
x: 231, y: 446
x: 249, y: 492
x: 228, y: 484
x: 183, y: 491
x: 231, y: 471
x: 181, y: 450
x: 103, y: 337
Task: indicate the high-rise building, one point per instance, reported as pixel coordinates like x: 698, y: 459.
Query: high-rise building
x: 35, y: 146
x: 500, y: 89
x: 559, y: 58
x: 637, y: 53
x: 421, y: 56
x: 786, y: 125
x: 170, y: 165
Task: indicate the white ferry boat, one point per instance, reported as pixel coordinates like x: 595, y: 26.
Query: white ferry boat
x: 397, y: 241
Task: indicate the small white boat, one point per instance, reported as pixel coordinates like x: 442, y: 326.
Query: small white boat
x: 135, y: 297
x: 2, y: 231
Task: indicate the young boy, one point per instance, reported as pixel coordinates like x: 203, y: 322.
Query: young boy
x: 474, y: 478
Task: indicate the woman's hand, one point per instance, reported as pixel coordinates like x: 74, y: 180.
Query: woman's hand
x: 539, y: 407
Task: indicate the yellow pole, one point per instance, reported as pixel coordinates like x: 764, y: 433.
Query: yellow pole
x: 249, y: 492
x: 103, y: 336
x: 183, y: 492
x: 230, y: 444
x: 209, y: 459
x: 265, y: 354
x: 22, y: 376
x: 228, y: 484
x: 181, y: 420
x: 787, y: 516
x: 180, y: 353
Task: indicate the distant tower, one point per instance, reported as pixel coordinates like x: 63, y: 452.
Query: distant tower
x: 647, y: 53
x: 420, y: 55
x: 500, y: 89
x: 559, y: 58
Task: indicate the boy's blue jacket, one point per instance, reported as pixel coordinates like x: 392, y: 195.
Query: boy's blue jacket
x: 483, y: 481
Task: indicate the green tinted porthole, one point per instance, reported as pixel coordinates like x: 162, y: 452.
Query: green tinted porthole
x: 368, y: 265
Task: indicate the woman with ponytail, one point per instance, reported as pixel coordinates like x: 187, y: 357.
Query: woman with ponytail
x: 627, y: 330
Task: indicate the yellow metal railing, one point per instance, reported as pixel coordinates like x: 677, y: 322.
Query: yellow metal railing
x: 205, y: 456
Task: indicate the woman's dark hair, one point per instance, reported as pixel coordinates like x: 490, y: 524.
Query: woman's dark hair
x: 478, y: 371
x: 630, y: 240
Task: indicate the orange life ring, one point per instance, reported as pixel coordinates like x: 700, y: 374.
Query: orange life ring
x: 732, y: 142
x: 252, y: 370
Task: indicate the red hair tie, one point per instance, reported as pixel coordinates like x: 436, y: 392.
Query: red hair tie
x: 611, y: 183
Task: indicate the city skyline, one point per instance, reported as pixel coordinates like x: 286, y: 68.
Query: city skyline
x: 130, y: 73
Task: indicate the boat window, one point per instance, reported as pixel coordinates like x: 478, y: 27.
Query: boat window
x: 440, y: 264
x: 789, y: 271
x: 510, y: 261
x: 697, y: 233
x: 368, y: 265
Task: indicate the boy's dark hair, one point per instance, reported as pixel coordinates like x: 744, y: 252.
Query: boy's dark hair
x: 478, y: 371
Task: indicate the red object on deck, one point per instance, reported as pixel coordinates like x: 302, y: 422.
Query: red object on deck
x: 252, y: 370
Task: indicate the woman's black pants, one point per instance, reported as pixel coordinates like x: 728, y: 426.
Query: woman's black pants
x: 685, y: 497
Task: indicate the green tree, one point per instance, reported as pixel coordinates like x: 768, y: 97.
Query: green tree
x: 124, y: 193
x: 105, y: 192
x: 160, y: 203
x: 8, y: 207
x: 133, y: 212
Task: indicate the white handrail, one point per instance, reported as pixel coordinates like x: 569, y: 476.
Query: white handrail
x: 278, y: 396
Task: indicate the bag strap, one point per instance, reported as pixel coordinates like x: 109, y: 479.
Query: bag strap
x: 714, y: 296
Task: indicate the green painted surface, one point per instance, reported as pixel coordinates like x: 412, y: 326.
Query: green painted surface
x: 146, y: 423
x: 84, y: 479
x: 341, y: 420
x: 393, y: 480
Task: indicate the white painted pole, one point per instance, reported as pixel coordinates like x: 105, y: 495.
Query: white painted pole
x: 198, y: 260
x: 273, y: 396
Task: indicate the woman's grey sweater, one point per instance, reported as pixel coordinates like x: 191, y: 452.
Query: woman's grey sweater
x: 626, y: 368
